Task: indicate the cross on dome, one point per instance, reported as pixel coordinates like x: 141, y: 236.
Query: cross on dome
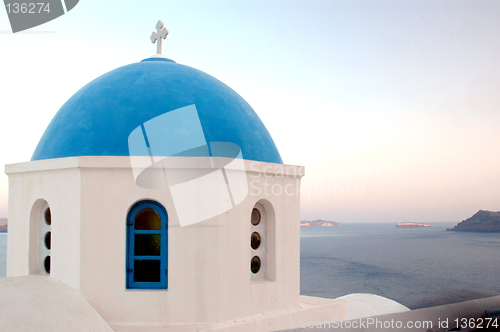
x: 160, y: 33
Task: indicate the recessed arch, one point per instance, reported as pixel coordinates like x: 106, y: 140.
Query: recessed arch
x: 40, y: 237
x: 262, y: 240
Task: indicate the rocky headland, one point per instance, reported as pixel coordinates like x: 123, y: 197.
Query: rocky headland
x: 482, y: 221
x: 319, y: 223
x: 3, y: 225
x: 411, y: 225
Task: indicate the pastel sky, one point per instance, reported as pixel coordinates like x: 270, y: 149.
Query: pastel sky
x: 393, y: 107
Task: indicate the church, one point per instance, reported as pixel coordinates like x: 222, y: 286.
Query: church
x: 156, y: 200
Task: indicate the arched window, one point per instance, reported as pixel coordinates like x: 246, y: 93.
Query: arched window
x: 147, y: 246
x: 40, y: 237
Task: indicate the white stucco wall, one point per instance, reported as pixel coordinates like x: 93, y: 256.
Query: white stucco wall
x: 209, y: 262
x: 56, y: 182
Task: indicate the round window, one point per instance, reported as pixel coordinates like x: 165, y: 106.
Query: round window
x: 48, y: 219
x: 47, y: 240
x: 255, y: 264
x: 255, y: 217
x: 255, y: 240
x: 46, y: 263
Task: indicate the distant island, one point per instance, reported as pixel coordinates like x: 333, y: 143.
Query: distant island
x: 3, y: 225
x: 411, y: 225
x: 483, y: 221
x: 319, y: 223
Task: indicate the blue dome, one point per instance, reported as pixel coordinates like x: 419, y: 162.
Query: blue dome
x: 98, y: 119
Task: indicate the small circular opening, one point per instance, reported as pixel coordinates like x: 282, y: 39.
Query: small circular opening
x: 46, y: 263
x: 255, y: 240
x: 48, y: 219
x: 47, y: 240
x: 255, y: 217
x: 255, y: 264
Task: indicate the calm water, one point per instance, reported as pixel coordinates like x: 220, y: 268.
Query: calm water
x: 418, y: 267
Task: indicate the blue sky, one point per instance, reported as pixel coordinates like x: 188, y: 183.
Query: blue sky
x: 392, y: 106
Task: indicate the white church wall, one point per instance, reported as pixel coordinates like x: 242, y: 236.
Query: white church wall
x: 56, y: 182
x: 37, y: 212
x: 108, y: 193
x: 209, y: 278
x: 192, y: 287
x: 281, y: 287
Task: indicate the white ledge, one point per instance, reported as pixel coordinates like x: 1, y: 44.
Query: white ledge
x: 251, y: 166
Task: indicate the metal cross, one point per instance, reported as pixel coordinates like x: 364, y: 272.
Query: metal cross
x: 160, y: 33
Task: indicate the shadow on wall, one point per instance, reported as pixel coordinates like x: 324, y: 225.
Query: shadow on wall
x: 3, y: 255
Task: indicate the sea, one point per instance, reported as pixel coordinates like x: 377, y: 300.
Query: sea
x: 417, y: 267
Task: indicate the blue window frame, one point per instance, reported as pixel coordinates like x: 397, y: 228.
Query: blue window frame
x: 147, y: 246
